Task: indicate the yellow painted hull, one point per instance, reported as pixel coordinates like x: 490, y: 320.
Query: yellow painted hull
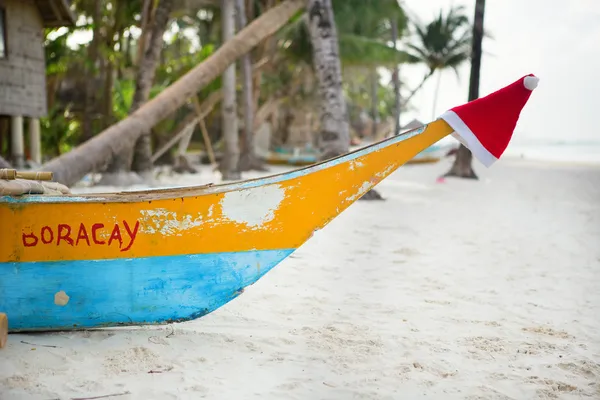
x: 261, y: 214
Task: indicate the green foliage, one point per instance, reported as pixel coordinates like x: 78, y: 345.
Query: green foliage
x: 444, y: 42
x: 364, y: 31
x: 60, y: 130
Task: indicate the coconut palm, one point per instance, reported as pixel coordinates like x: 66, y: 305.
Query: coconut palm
x: 95, y: 153
x: 334, y: 138
x: 444, y: 43
x: 140, y: 157
x: 462, y: 166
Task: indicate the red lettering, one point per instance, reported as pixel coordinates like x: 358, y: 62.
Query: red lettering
x: 47, y: 229
x: 29, y: 239
x: 64, y: 233
x: 95, y: 227
x: 115, y: 235
x: 131, y: 234
x: 82, y: 235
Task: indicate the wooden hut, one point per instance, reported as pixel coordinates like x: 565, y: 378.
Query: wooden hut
x: 23, y: 72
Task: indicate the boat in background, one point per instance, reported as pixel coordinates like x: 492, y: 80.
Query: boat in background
x: 295, y: 156
x: 70, y: 262
x: 432, y: 154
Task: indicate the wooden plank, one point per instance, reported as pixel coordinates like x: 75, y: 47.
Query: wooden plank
x: 3, y: 329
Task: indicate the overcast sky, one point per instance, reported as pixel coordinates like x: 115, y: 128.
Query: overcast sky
x: 557, y: 41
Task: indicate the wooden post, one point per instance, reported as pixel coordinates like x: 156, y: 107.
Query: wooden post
x: 205, y: 136
x: 17, y: 142
x: 3, y: 329
x: 35, y: 140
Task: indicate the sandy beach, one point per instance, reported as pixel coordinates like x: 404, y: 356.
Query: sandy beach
x: 453, y: 290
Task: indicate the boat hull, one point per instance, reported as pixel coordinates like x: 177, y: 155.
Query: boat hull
x: 155, y: 256
x: 68, y: 295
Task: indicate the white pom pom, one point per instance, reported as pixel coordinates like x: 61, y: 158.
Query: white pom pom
x: 531, y: 82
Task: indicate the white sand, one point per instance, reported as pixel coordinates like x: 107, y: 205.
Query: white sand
x: 456, y: 290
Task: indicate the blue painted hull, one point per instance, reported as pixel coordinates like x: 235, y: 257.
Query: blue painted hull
x: 136, y: 291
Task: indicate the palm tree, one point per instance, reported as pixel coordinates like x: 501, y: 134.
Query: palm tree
x: 248, y: 159
x: 97, y: 152
x: 140, y: 157
x: 358, y: 34
x: 396, y: 80
x: 334, y: 138
x: 229, y: 164
x: 443, y: 43
x: 462, y: 166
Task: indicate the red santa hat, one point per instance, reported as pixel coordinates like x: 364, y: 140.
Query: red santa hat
x: 486, y: 125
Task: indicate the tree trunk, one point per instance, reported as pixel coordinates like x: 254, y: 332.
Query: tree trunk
x: 415, y: 90
x: 141, y: 45
x: 334, y: 138
x: 374, y: 102
x: 396, y: 82
x: 142, y: 155
x: 229, y: 164
x: 248, y: 160
x: 89, y: 107
x: 463, y: 163
x: 436, y: 95
x: 97, y: 152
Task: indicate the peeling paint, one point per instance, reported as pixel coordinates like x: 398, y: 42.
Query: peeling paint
x: 168, y: 222
x: 364, y: 188
x: 253, y: 207
x: 61, y: 298
x: 355, y: 164
x: 386, y: 171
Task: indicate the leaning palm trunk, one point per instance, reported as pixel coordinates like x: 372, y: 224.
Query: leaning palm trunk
x: 97, y: 152
x: 334, y: 138
x: 141, y: 154
x: 463, y: 163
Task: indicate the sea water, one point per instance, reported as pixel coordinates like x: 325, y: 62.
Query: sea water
x: 578, y: 152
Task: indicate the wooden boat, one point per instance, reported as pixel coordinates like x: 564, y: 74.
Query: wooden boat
x: 430, y: 155
x: 295, y: 157
x: 149, y: 257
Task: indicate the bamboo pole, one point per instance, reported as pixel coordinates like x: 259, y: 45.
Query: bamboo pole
x: 28, y: 175
x: 185, y: 130
x: 3, y: 329
x: 205, y: 136
x: 202, y: 110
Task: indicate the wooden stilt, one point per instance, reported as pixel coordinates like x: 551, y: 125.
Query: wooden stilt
x: 3, y: 330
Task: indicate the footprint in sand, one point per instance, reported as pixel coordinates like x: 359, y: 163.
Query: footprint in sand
x: 589, y: 370
x: 407, y: 251
x: 543, y: 330
x: 15, y: 382
x: 135, y: 359
x: 551, y: 388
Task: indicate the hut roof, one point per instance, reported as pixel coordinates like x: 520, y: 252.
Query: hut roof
x: 55, y: 13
